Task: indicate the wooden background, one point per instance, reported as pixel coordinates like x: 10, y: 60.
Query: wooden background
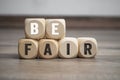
x: 71, y: 21
x: 105, y: 66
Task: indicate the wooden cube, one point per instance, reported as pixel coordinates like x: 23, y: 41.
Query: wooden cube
x: 55, y: 28
x: 87, y: 47
x: 68, y: 47
x: 48, y: 48
x: 35, y: 28
x: 27, y: 48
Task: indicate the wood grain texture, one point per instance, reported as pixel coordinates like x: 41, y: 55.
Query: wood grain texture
x: 78, y: 22
x: 106, y: 65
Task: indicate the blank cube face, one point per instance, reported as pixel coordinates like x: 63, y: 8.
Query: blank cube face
x: 68, y: 48
x: 87, y: 47
x: 48, y: 48
x: 35, y: 28
x: 27, y: 48
x: 55, y: 28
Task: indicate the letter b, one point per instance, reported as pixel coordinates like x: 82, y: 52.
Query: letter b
x: 35, y: 28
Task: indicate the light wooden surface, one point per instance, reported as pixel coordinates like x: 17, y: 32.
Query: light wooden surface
x: 106, y: 65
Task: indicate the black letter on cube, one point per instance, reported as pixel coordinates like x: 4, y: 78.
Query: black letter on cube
x: 26, y: 48
x: 47, y: 49
x: 87, y: 48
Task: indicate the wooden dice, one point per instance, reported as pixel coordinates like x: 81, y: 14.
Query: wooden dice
x: 87, y: 47
x: 68, y: 47
x: 35, y: 28
x: 55, y: 28
x: 48, y: 48
x: 28, y: 48
x: 45, y: 38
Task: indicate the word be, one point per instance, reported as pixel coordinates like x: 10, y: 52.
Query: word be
x: 38, y: 28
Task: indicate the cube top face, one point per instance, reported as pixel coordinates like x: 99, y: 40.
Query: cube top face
x: 35, y: 28
x: 48, y: 48
x: 55, y: 28
x: 68, y: 47
x: 87, y: 47
x: 80, y: 39
x: 28, y: 48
